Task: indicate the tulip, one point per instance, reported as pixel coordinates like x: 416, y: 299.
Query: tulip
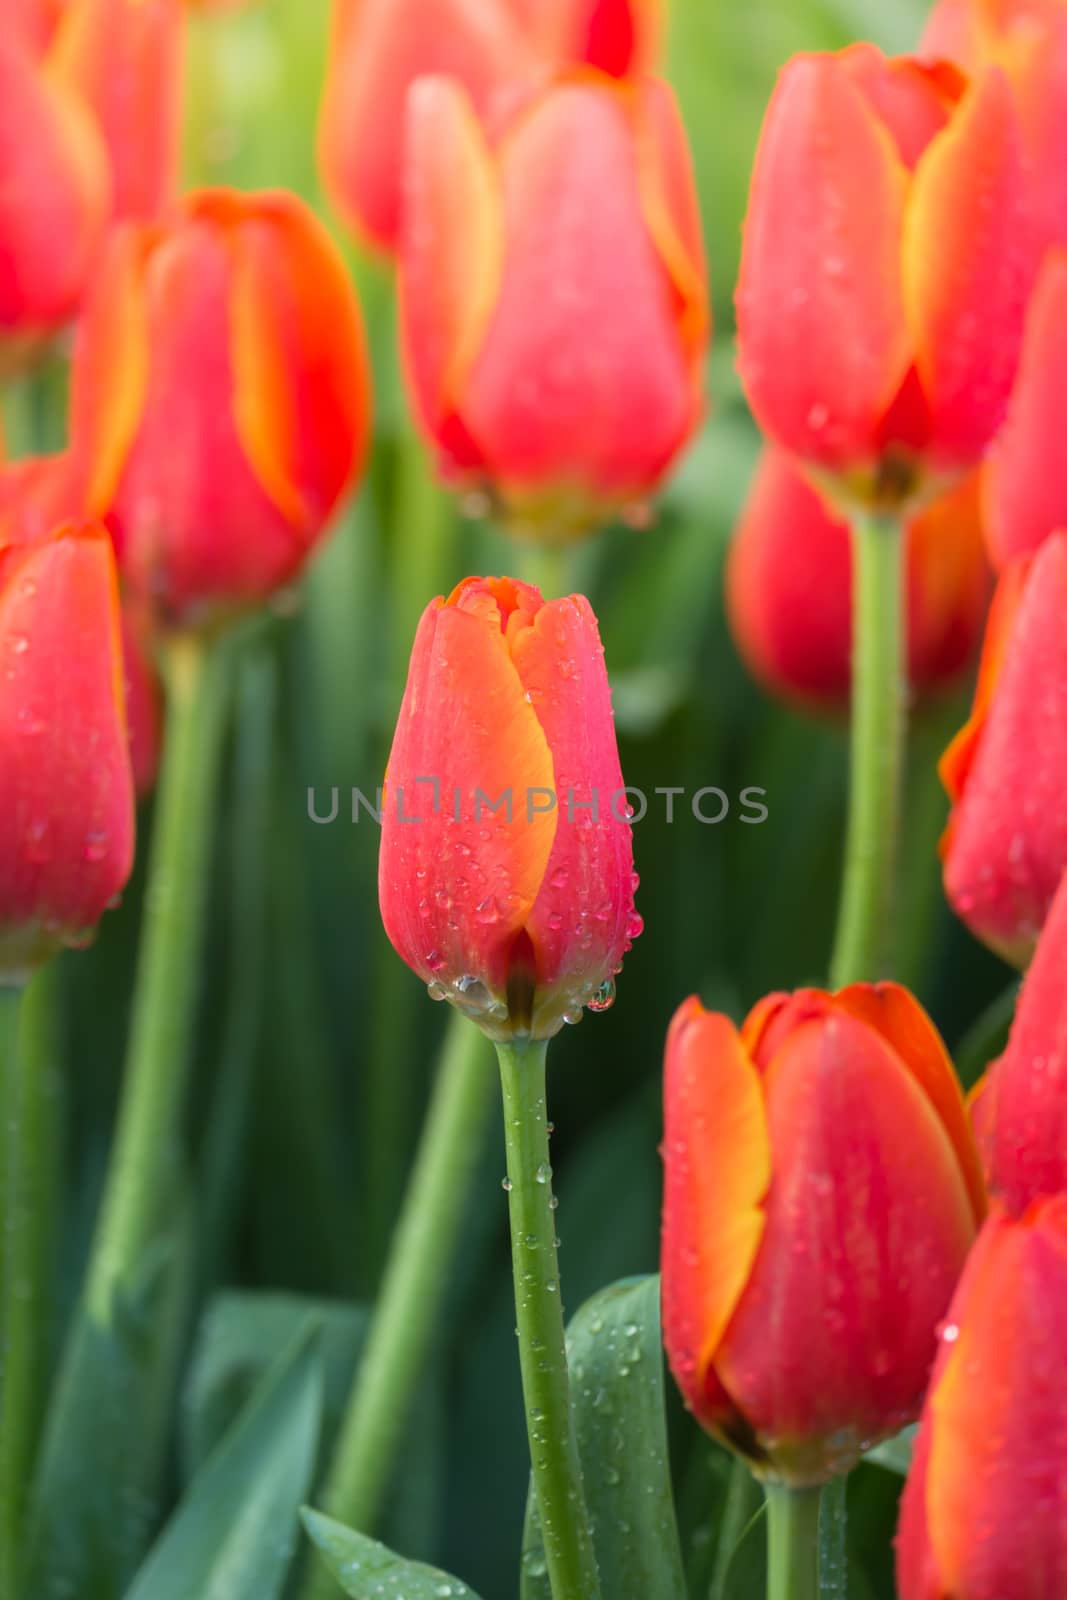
x: 1005, y: 848
x: 65, y: 785
x: 553, y: 297
x: 53, y: 202
x: 33, y: 22
x: 506, y: 873
x: 620, y: 37
x: 1026, y: 479
x: 221, y: 400
x: 789, y: 588
x: 1020, y: 1109
x: 982, y: 1514
x: 885, y: 271
x: 377, y: 50
x: 821, y: 1193
x: 1027, y: 39
x: 125, y: 58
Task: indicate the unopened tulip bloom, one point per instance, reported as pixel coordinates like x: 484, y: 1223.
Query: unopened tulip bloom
x: 54, y: 200
x: 221, y: 399
x: 617, y: 36
x: 125, y: 59
x: 506, y: 872
x: 885, y: 270
x: 66, y: 790
x: 821, y: 1193
x: 789, y: 589
x: 982, y: 1516
x: 1026, y: 478
x: 553, y: 297
x: 1005, y: 848
x: 1020, y: 1110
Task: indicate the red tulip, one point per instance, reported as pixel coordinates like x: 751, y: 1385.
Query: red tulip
x: 1005, y: 849
x: 1020, y: 1113
x: 32, y: 22
x: 377, y: 50
x: 983, y: 1511
x: 553, y: 297
x: 53, y: 202
x: 66, y: 791
x: 620, y: 37
x: 520, y: 915
x: 821, y: 1194
x: 1026, y: 480
x: 38, y: 494
x: 789, y: 588
x: 885, y: 270
x: 1027, y: 40
x: 125, y: 59
x: 221, y: 399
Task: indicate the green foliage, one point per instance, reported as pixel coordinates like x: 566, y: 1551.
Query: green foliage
x: 366, y: 1569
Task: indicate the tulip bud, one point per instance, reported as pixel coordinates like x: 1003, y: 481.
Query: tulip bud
x: 506, y: 873
x: 1005, y: 848
x: 53, y: 202
x: 789, y: 588
x: 885, y: 270
x: 66, y: 792
x: 125, y: 59
x: 377, y: 50
x: 221, y: 399
x: 1026, y: 479
x: 620, y: 37
x: 821, y: 1194
x: 982, y: 1514
x: 527, y: 377
x: 1020, y: 1108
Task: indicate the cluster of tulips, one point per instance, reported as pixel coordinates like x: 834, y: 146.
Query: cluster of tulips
x: 847, y: 1246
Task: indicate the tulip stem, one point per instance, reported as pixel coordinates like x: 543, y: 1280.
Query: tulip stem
x: 792, y: 1543
x: 557, y: 1477
x: 878, y: 735
x: 145, y: 1151
x: 408, y: 1318
x: 28, y: 1097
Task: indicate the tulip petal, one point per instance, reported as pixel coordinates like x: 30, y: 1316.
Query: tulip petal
x: 466, y: 722
x: 672, y: 211
x: 453, y: 248
x: 823, y: 342
x: 893, y: 1012
x: 717, y: 1171
x: 967, y: 262
x: 912, y: 99
x: 1026, y: 479
x: 956, y: 763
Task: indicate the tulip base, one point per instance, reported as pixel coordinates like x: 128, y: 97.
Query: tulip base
x: 879, y: 668
x: 792, y: 1542
x: 557, y: 1477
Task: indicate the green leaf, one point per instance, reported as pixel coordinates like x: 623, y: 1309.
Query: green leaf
x: 833, y: 1541
x: 366, y: 1569
x: 746, y: 1571
x: 233, y: 1535
x: 616, y: 1361
x: 894, y: 1454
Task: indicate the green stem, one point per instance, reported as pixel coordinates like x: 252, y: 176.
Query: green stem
x: 792, y: 1543
x: 144, y: 1155
x: 557, y: 1477
x: 878, y: 737
x: 407, y: 1320
x: 28, y: 1100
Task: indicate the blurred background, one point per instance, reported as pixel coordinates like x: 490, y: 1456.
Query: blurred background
x: 315, y: 1046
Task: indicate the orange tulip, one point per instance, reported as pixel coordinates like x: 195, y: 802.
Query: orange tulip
x: 53, y: 202
x: 1026, y: 479
x: 885, y: 270
x: 982, y: 1516
x: 1005, y: 848
x: 821, y: 1193
x: 553, y: 297
x: 125, y: 59
x: 506, y: 872
x: 789, y: 588
x: 66, y: 790
x: 221, y: 399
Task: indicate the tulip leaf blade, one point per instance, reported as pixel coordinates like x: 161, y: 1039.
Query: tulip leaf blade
x: 364, y: 1568
x: 616, y: 1357
x: 895, y: 1454
x: 223, y: 1542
